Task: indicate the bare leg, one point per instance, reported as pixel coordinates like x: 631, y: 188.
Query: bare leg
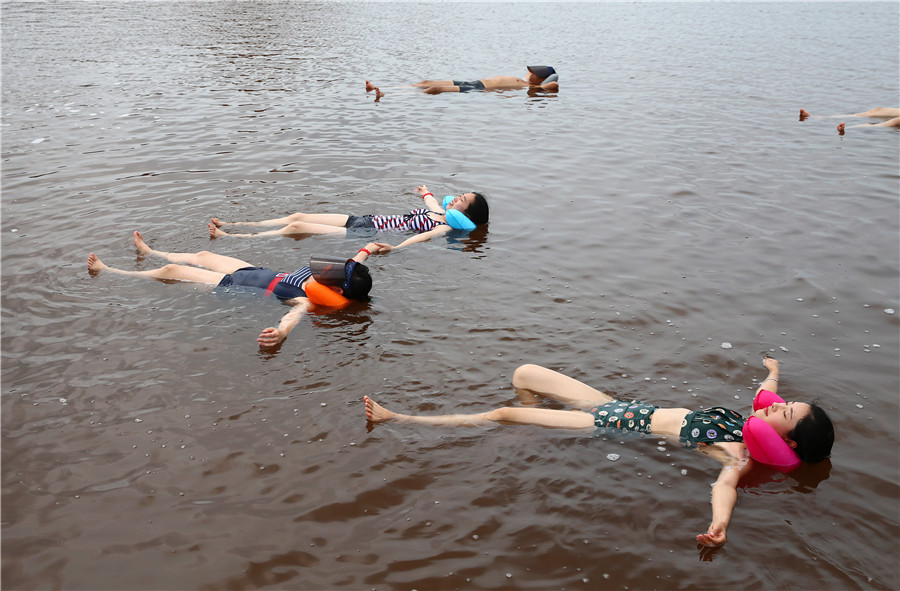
x: 895, y: 122
x: 879, y: 112
x: 541, y: 417
x: 427, y: 83
x: 292, y: 229
x: 166, y: 272
x: 557, y: 386
x: 215, y: 262
x: 326, y: 219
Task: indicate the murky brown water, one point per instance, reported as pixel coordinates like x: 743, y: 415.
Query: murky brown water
x: 665, y: 203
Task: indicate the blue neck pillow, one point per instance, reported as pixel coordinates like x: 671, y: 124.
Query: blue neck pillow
x: 456, y: 219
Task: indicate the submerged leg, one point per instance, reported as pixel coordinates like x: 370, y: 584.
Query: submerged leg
x: 292, y: 229
x: 541, y: 417
x: 328, y: 219
x: 164, y: 273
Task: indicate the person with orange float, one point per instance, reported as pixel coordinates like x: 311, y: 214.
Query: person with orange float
x: 328, y: 281
x: 462, y: 212
x: 778, y: 434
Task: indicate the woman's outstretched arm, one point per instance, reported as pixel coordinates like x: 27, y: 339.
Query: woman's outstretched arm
x: 771, y: 381
x: 724, y: 491
x: 272, y: 336
x: 384, y: 248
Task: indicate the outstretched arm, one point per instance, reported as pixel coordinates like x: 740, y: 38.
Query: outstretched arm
x: 431, y: 201
x: 771, y: 381
x: 724, y: 494
x: 384, y: 248
x: 272, y: 336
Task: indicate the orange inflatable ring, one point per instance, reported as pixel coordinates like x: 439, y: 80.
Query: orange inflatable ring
x: 324, y: 296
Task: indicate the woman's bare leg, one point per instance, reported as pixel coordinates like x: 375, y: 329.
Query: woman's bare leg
x: 326, y: 219
x: 541, y: 417
x: 427, y: 83
x: 880, y: 112
x: 557, y: 386
x: 292, y: 229
x: 166, y: 272
x: 212, y: 261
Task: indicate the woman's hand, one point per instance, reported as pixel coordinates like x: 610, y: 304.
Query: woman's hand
x: 271, y: 337
x: 422, y: 190
x: 771, y: 363
x: 382, y: 248
x: 715, y: 536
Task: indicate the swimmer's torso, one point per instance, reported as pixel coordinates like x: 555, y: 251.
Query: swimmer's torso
x: 504, y: 83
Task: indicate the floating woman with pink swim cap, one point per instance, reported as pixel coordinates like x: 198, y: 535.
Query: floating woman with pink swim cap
x: 778, y: 433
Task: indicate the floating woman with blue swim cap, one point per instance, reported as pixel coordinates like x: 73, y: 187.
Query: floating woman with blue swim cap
x: 462, y: 212
x: 538, y: 78
x: 327, y: 281
x: 778, y: 434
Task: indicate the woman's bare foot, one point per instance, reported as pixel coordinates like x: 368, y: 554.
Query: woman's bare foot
x: 215, y: 232
x: 804, y: 114
x: 95, y: 265
x: 374, y: 411
x: 840, y: 128
x: 378, y: 95
x: 217, y: 222
x: 140, y: 244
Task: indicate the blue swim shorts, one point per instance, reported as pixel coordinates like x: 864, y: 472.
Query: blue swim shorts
x: 467, y: 86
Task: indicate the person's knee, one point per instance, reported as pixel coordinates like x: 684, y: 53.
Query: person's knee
x: 524, y: 374
x: 499, y: 414
x: 297, y: 217
x: 204, y: 253
x: 295, y: 227
x: 170, y: 270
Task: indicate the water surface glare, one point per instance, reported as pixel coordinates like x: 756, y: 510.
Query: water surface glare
x: 657, y: 226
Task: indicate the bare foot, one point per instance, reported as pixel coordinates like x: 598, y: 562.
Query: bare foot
x: 840, y: 128
x: 140, y: 244
x: 374, y: 411
x: 215, y: 232
x: 95, y: 265
x: 804, y: 114
x: 370, y: 87
x: 217, y: 222
x: 378, y: 95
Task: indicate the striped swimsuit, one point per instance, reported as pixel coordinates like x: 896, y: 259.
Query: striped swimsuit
x: 415, y: 221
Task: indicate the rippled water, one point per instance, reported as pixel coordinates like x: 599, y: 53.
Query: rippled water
x: 664, y: 203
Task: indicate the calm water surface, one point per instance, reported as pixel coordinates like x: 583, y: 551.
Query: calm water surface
x: 656, y: 226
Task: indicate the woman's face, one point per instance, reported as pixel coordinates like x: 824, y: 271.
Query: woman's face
x: 783, y: 416
x: 462, y: 202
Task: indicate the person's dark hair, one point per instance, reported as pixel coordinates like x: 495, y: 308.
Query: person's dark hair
x: 360, y: 283
x: 478, y: 210
x: 814, y: 435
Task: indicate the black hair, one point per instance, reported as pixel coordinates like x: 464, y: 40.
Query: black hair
x: 814, y: 435
x: 478, y: 210
x: 360, y: 283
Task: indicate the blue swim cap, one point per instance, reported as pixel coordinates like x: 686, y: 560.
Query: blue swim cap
x: 541, y: 71
x: 455, y: 218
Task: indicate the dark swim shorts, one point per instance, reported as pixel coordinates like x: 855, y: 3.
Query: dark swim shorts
x: 361, y: 225
x: 258, y: 277
x: 467, y: 86
x: 628, y: 416
x: 261, y: 278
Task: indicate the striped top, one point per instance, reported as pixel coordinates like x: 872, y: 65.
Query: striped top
x: 416, y: 221
x: 291, y: 285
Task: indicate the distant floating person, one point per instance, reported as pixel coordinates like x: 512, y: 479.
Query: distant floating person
x: 891, y: 116
x: 538, y: 78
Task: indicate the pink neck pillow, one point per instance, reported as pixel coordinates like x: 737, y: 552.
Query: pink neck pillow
x: 764, y: 444
x: 322, y: 295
